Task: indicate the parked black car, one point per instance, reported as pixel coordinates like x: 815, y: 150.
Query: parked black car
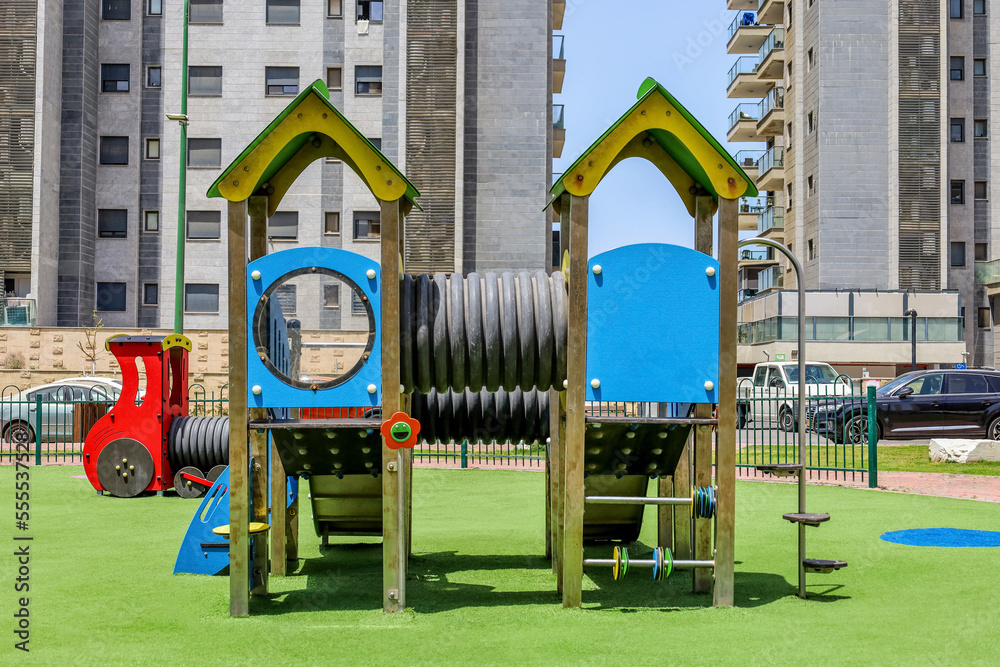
x: 932, y: 403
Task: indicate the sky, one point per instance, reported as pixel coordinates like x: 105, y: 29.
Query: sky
x: 608, y: 54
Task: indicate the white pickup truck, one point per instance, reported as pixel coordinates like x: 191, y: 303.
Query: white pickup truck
x: 769, y: 395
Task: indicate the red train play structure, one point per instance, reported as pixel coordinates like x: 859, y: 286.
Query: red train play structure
x: 150, y: 443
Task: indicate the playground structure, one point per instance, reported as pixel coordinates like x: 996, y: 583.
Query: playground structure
x: 151, y: 445
x: 489, y: 348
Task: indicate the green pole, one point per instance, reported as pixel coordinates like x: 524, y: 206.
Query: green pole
x: 872, y: 441
x: 38, y: 429
x: 182, y: 184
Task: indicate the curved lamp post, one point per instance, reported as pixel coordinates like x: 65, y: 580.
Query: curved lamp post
x: 182, y: 119
x: 800, y: 409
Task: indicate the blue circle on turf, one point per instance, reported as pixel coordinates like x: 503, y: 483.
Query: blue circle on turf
x: 944, y: 537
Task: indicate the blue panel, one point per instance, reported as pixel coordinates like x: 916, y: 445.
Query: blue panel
x: 653, y: 325
x: 274, y: 392
x: 193, y: 558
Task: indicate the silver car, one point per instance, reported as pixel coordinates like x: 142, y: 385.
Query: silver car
x: 19, y: 409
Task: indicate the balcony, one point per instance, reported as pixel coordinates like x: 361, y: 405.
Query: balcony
x: 742, y: 5
x: 750, y: 210
x: 743, y: 124
x: 771, y: 11
x: 558, y: 130
x: 745, y: 294
x: 771, y: 169
x: 558, y: 12
x: 756, y: 256
x: 988, y: 275
x: 771, y: 114
x: 748, y: 162
x: 771, y: 56
x: 771, y: 222
x: 773, y: 277
x: 17, y: 312
x: 743, y: 81
x: 558, y: 62
x: 746, y: 35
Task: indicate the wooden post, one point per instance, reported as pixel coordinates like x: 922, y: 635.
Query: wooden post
x: 258, y: 440
x: 664, y: 513
x: 552, y: 475
x: 393, y: 463
x: 702, y: 583
x: 239, y: 492
x: 576, y: 397
x: 725, y: 470
x: 559, y: 456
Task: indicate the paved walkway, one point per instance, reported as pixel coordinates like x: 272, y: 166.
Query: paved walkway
x: 969, y: 487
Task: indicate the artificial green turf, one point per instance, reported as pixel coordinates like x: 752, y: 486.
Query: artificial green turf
x: 901, y: 458
x: 480, y: 591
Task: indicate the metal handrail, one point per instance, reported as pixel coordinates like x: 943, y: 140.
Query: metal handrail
x: 776, y: 40
x: 746, y: 111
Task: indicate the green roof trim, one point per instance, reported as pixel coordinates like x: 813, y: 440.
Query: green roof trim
x: 676, y: 149
x: 317, y: 87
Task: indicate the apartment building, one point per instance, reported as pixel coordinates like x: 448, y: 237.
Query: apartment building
x: 866, y: 123
x: 457, y: 94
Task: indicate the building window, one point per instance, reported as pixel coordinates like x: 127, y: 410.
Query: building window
x: 958, y: 192
x: 367, y: 225
x: 112, y: 223
x: 331, y: 296
x: 958, y: 253
x: 204, y: 225
x: 956, y: 9
x: 357, y: 305
x: 114, y: 150
x: 284, y: 12
x: 204, y: 81
x: 283, y: 226
x: 957, y: 68
x: 331, y: 223
x: 151, y: 221
x: 201, y: 298
x: 981, y: 250
x: 334, y: 78
x: 335, y: 8
x: 204, y: 152
x: 979, y: 128
x: 957, y: 130
x: 979, y: 190
x: 116, y: 10
x: 370, y: 10
x: 153, y: 78
x: 114, y: 78
x: 984, y: 318
x: 809, y: 122
x: 812, y: 250
x: 809, y: 55
x: 286, y: 295
x: 111, y: 297
x: 152, y: 149
x: 155, y: 8
x: 282, y: 80
x: 368, y: 80
x: 809, y: 184
x: 205, y: 11
x: 150, y: 294
x: 978, y: 6
x: 979, y: 67
x: 376, y: 142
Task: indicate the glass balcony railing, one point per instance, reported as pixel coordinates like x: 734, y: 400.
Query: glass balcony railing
x: 771, y: 218
x: 742, y: 19
x: 558, y: 47
x: 746, y: 111
x: 558, y: 117
x: 775, y: 99
x: 770, y: 278
x: 988, y: 273
x: 753, y: 205
x: 17, y: 312
x: 744, y: 65
x: 867, y: 329
x: 774, y: 157
x: 754, y: 253
x: 748, y: 159
x: 776, y: 40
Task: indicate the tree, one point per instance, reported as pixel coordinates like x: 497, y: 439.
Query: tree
x: 90, y: 348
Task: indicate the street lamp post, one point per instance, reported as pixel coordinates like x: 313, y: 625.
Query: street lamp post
x: 181, y: 119
x: 912, y: 314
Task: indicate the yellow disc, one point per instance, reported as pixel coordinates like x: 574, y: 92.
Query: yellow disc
x: 256, y: 528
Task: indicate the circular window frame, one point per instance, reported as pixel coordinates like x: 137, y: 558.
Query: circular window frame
x: 258, y: 325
